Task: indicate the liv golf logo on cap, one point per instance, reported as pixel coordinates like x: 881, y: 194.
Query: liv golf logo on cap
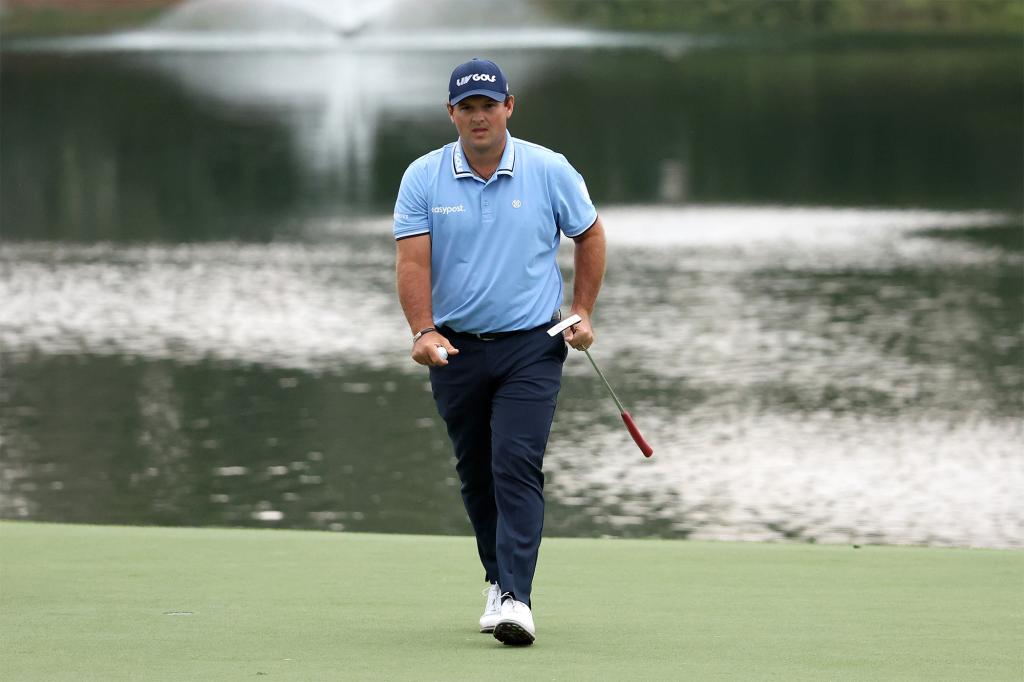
x: 477, y: 77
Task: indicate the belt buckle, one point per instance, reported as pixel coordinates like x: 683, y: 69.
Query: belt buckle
x: 485, y: 337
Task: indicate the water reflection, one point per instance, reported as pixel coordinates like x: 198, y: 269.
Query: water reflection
x: 241, y: 446
x: 803, y: 383
x: 293, y: 305
x: 380, y: 462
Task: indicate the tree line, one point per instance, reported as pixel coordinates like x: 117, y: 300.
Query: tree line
x: 944, y: 16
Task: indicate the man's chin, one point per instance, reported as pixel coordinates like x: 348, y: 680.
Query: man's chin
x: 484, y: 143
x: 478, y: 147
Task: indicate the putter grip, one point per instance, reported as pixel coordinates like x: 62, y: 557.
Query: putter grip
x: 637, y: 436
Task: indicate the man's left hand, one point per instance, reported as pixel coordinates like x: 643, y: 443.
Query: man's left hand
x: 580, y: 335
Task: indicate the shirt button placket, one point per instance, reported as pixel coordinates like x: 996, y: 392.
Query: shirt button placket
x: 486, y: 213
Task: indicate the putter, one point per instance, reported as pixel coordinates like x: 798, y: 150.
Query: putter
x: 626, y: 417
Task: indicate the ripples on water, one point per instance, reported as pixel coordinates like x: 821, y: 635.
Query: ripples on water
x: 812, y: 374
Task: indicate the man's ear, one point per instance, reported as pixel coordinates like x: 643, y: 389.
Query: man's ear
x: 510, y: 103
x: 451, y: 111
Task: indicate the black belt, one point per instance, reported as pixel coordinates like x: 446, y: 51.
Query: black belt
x: 494, y: 336
x: 485, y: 336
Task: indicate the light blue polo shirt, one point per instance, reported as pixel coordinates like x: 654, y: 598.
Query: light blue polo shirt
x: 494, y: 242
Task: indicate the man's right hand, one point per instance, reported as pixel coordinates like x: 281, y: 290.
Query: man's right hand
x: 424, y: 351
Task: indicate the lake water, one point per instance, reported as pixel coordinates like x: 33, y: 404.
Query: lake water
x: 813, y: 304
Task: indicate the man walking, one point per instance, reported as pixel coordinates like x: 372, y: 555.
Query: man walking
x: 478, y: 224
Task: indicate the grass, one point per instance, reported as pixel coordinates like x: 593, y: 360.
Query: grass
x: 99, y: 603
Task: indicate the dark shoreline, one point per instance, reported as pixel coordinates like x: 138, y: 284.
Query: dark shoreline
x: 822, y: 19
x: 43, y: 18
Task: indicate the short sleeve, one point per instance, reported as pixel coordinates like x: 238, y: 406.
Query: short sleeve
x: 411, y: 216
x: 574, y: 211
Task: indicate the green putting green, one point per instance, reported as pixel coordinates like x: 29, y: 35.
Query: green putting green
x: 115, y: 603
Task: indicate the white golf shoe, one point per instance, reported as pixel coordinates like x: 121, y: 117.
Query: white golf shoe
x: 492, y: 609
x: 515, y: 623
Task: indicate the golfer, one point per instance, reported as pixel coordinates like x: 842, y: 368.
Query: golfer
x: 478, y: 223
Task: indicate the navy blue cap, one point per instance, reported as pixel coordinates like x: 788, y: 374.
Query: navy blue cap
x: 477, y: 77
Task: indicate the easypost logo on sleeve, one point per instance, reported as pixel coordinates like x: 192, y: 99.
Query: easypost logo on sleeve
x: 445, y: 210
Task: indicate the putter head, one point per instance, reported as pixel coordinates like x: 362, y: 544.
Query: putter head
x: 564, y: 324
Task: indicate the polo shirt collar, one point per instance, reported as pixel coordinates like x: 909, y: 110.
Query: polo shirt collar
x: 507, y: 165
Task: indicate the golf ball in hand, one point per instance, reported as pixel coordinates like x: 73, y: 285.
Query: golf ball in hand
x: 442, y: 352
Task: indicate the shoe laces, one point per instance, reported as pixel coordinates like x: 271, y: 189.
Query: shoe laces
x: 514, y: 603
x: 493, y: 599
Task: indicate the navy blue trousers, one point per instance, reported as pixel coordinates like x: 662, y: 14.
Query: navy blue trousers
x: 497, y: 399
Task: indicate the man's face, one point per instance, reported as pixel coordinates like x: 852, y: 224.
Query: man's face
x: 481, y: 122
